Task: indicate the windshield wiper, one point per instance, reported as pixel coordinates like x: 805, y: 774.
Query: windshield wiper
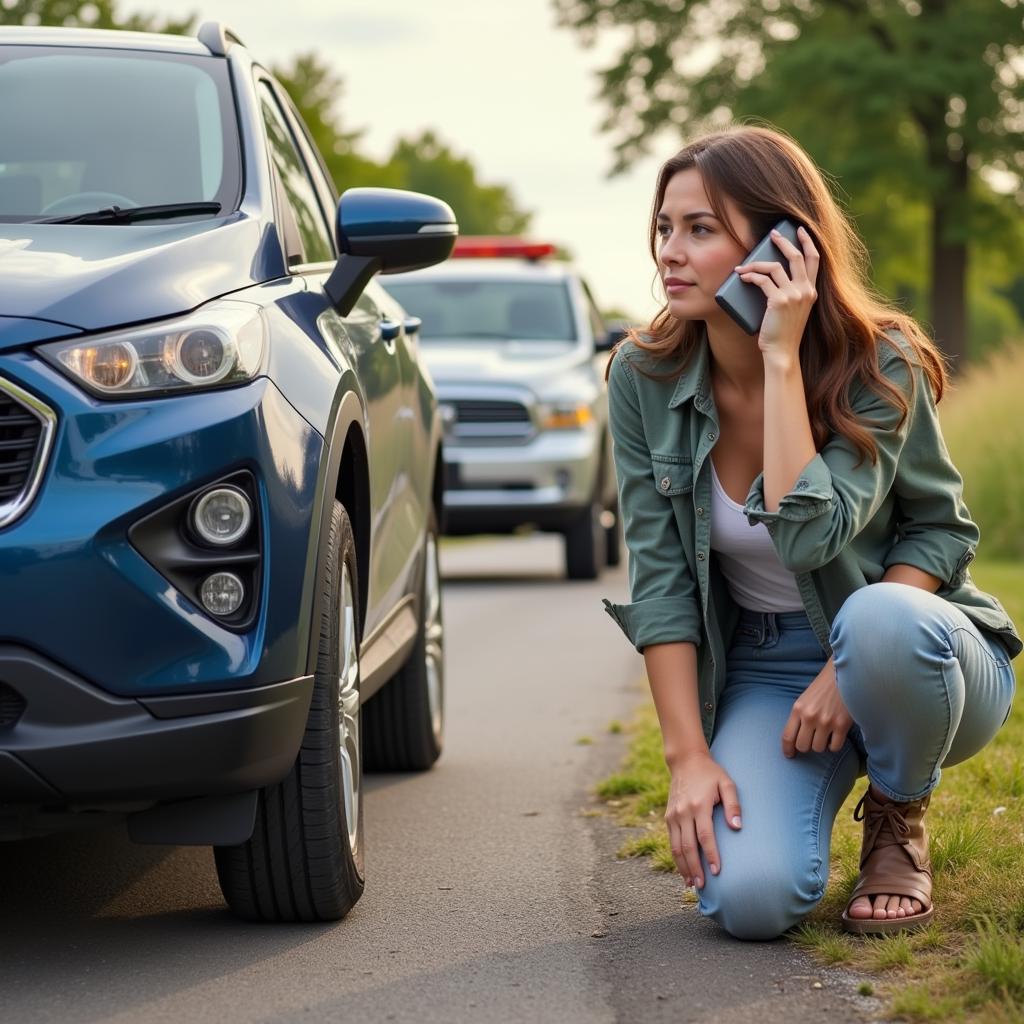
x: 131, y: 214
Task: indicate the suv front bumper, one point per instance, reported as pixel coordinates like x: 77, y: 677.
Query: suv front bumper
x: 76, y: 745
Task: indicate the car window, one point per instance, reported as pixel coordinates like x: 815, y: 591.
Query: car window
x: 298, y: 188
x: 513, y: 310
x: 113, y: 128
x: 322, y: 180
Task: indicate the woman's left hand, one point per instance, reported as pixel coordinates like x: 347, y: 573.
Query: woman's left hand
x: 790, y: 296
x: 819, y: 720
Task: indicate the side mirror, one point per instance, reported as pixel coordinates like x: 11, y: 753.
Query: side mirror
x: 617, y: 330
x: 388, y: 231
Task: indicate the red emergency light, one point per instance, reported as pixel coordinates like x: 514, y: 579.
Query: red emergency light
x: 491, y: 246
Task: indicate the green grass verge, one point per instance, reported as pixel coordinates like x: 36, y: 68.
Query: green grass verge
x: 968, y: 965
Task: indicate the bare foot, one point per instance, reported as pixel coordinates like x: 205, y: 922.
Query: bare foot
x: 882, y: 906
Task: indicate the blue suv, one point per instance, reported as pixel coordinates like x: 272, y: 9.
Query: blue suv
x: 220, y: 467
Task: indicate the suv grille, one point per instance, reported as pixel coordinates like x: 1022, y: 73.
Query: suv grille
x: 26, y: 430
x: 19, y: 438
x: 469, y: 411
x: 12, y: 705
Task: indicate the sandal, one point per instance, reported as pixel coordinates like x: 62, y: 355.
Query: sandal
x: 894, y: 861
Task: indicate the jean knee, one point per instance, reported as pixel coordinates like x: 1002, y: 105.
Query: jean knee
x: 882, y: 631
x: 758, y: 905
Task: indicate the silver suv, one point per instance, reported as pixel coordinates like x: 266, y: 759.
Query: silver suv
x: 516, y: 348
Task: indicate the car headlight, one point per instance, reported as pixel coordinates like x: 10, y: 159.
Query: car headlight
x: 565, y: 415
x: 218, y: 345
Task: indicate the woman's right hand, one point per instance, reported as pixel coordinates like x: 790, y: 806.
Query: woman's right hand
x: 698, y: 783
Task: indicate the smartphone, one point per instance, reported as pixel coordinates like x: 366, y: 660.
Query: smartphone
x: 745, y: 302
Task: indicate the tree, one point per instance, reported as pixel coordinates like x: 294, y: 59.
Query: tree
x: 421, y: 163
x: 315, y: 90
x: 426, y: 164
x: 92, y: 14
x: 918, y: 100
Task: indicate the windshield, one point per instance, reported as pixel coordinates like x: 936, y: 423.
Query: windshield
x: 513, y: 310
x: 84, y: 129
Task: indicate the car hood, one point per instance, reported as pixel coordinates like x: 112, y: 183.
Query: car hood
x: 96, y: 276
x: 511, y: 362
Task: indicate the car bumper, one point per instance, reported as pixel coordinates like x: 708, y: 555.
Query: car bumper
x: 77, y: 590
x: 74, y: 746
x: 498, y: 487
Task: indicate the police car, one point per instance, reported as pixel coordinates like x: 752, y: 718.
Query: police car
x: 516, y: 348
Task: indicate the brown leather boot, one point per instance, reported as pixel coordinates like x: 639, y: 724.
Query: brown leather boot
x: 894, y: 861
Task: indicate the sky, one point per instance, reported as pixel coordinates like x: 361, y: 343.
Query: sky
x: 502, y: 85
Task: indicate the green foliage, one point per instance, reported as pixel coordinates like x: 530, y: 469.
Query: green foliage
x: 315, y: 89
x: 891, y: 951
x: 984, y: 430
x: 998, y: 958
x: 825, y: 943
x: 94, y: 14
x: 426, y: 164
x: 913, y: 107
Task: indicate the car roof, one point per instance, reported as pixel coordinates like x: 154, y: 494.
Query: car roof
x: 101, y: 38
x: 494, y: 269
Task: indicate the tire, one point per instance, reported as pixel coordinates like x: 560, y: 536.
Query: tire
x: 586, y: 543
x: 304, y: 860
x: 404, y: 720
x: 613, y: 550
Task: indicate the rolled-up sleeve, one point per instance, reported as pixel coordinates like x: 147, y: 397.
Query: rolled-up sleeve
x: 664, y: 605
x: 837, y: 494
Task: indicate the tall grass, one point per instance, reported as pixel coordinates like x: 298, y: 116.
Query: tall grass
x: 983, y: 422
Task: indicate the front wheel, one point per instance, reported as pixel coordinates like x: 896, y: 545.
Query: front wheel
x: 304, y: 860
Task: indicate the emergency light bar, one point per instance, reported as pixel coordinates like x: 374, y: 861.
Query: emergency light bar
x: 490, y: 246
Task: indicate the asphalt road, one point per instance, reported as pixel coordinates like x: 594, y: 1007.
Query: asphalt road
x: 490, y: 895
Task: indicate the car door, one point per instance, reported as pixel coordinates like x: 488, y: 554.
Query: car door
x: 312, y: 254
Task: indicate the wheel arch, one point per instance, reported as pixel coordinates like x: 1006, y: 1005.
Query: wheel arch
x: 345, y: 477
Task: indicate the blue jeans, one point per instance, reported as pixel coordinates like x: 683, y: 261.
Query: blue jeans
x: 925, y: 689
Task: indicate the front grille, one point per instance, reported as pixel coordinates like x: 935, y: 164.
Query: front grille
x: 20, y: 432
x: 12, y: 705
x: 26, y: 429
x: 488, y: 421
x: 490, y: 411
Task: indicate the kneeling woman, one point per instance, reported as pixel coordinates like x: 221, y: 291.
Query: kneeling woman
x: 798, y: 552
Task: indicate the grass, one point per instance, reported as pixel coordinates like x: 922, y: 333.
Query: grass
x: 968, y: 965
x: 984, y: 430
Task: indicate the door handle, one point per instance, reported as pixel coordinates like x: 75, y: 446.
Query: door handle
x: 390, y: 329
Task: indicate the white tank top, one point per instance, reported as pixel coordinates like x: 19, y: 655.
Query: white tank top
x: 757, y: 579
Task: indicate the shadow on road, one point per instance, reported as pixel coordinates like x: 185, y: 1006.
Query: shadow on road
x: 95, y: 925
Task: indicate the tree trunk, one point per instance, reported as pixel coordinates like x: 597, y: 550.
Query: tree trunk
x: 949, y: 262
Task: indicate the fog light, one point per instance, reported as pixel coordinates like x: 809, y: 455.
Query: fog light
x: 222, y: 516
x: 222, y: 593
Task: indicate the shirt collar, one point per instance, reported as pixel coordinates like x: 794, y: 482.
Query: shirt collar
x: 695, y: 380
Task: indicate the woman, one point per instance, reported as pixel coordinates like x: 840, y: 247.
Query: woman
x: 798, y: 552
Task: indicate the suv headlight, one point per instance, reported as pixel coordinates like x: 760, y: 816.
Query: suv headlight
x: 218, y: 345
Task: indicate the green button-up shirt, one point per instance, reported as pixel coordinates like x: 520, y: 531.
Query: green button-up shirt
x: 839, y: 528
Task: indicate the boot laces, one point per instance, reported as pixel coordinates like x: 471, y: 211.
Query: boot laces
x: 884, y: 825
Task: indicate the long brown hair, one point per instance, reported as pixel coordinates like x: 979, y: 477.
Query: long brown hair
x: 767, y: 176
